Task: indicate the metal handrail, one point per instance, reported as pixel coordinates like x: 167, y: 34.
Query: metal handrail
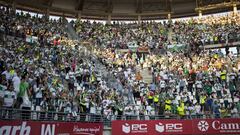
x: 21, y: 114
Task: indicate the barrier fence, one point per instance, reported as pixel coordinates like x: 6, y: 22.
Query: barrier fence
x: 21, y: 114
x: 22, y: 122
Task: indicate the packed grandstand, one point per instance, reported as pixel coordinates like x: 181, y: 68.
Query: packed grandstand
x: 99, y: 76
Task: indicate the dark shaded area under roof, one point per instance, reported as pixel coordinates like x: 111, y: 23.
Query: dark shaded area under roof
x: 118, y: 9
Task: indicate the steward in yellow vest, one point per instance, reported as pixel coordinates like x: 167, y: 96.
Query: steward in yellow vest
x: 181, y: 109
x: 223, y: 75
x: 156, y: 98
x: 168, y: 106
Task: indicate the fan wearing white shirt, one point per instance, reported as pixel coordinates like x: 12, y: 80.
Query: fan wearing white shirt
x: 198, y: 84
x: 3, y: 87
x: 197, y: 109
x: 9, y: 100
x: 162, y: 84
x: 9, y: 97
x: 38, y: 93
x: 16, y: 83
x: 7, y: 74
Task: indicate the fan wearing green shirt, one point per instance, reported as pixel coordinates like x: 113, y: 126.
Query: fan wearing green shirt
x: 23, y: 87
x: 208, y: 87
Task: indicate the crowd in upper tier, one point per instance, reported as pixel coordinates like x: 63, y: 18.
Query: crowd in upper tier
x: 48, y: 75
x: 121, y: 35
x: 204, y: 31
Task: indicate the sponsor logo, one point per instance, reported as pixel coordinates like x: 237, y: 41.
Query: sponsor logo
x: 159, y: 127
x: 134, y: 128
x: 203, y: 125
x: 48, y: 129
x: 23, y: 129
x: 219, y: 126
x: 126, y: 128
x: 169, y: 127
x: 39, y: 128
x: 86, y: 131
x: 225, y: 127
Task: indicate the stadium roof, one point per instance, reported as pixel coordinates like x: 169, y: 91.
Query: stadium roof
x: 119, y: 9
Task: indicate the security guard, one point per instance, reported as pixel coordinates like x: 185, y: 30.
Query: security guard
x: 181, y: 109
x: 168, y: 103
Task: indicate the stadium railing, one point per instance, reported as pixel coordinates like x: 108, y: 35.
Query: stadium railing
x: 20, y: 114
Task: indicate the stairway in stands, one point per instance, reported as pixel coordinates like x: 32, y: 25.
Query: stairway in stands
x: 146, y: 75
x: 170, y: 34
x: 111, y: 81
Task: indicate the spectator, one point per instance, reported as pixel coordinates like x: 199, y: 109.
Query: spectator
x: 66, y: 79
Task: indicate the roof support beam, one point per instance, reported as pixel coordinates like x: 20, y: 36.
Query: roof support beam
x: 139, y: 19
x: 80, y: 4
x: 109, y: 19
x: 109, y: 7
x: 139, y: 6
x: 169, y: 5
x: 14, y: 6
x: 79, y: 15
x: 47, y: 13
x: 50, y: 2
x: 169, y: 9
x: 49, y: 5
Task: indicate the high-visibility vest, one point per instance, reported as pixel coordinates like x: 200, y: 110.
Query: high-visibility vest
x: 223, y: 75
x: 168, y: 105
x: 150, y: 97
x: 92, y: 78
x: 181, y: 110
x: 202, y: 99
x: 156, y: 98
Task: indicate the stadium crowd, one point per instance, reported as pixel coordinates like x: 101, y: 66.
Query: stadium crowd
x: 204, y: 31
x: 121, y: 35
x: 45, y: 77
x: 207, y: 30
x: 49, y: 76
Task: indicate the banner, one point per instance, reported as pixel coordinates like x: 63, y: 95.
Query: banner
x: 176, y: 47
x: 49, y: 128
x: 151, y: 127
x: 216, y: 126
x: 31, y: 39
x: 212, y: 46
x: 156, y: 127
